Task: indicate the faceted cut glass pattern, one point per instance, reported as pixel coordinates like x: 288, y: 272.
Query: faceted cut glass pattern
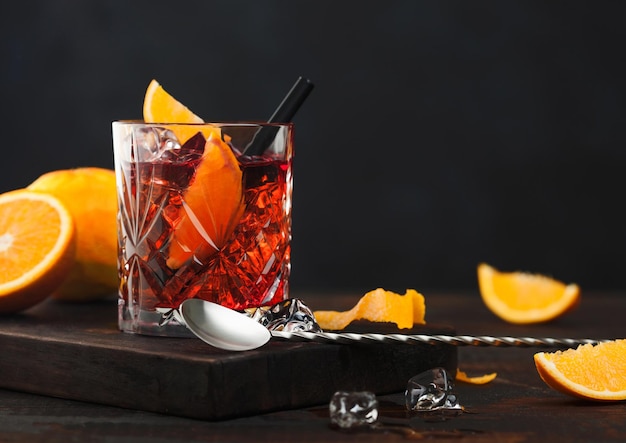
x: 251, y: 270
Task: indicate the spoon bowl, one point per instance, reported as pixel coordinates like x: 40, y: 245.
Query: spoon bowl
x: 222, y: 327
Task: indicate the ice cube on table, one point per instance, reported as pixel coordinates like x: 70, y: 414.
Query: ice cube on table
x: 290, y: 315
x: 431, y: 391
x: 353, y: 409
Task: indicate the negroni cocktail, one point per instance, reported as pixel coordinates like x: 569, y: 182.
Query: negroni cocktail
x: 203, y: 213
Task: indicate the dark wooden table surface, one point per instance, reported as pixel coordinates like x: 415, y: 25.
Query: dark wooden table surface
x: 516, y: 407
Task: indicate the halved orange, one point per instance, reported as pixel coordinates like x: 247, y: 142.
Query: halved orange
x: 378, y: 305
x: 592, y: 372
x: 36, y: 248
x: 89, y: 194
x: 523, y: 298
x: 161, y: 107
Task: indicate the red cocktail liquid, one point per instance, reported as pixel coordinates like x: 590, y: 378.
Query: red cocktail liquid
x: 250, y: 270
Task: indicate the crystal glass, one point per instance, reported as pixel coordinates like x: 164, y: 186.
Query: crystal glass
x: 204, y: 212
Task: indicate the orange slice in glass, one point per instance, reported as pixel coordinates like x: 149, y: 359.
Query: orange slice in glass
x: 378, y: 306
x: 589, y: 372
x: 523, y: 298
x: 37, y: 245
x: 213, y: 205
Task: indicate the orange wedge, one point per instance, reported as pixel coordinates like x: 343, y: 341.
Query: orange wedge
x: 36, y: 248
x: 378, y: 306
x: 161, y: 107
x: 213, y: 203
x: 589, y: 372
x: 213, y: 206
x: 523, y: 298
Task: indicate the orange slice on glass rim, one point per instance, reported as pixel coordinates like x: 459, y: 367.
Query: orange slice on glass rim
x: 37, y: 245
x: 378, y: 305
x: 161, y: 107
x: 592, y: 372
x: 523, y: 298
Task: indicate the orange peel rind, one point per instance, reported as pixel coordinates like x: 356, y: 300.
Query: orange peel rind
x: 478, y: 380
x: 378, y: 305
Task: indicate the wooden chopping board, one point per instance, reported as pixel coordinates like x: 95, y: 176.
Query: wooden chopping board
x: 77, y: 352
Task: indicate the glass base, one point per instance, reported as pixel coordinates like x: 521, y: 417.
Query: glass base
x: 151, y: 323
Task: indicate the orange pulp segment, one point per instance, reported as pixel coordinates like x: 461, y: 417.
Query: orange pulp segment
x: 36, y: 248
x: 592, y: 372
x: 161, y: 107
x: 378, y: 306
x: 479, y: 380
x: 213, y: 205
x: 523, y: 298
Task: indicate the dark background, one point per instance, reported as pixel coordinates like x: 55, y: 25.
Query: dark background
x: 440, y: 134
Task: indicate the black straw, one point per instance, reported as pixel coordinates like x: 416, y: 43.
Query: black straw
x: 283, y: 114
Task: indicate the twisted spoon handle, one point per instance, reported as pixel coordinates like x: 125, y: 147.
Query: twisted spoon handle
x: 455, y: 340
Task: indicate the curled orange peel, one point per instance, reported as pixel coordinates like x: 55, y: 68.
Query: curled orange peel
x: 480, y: 380
x: 378, y: 305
